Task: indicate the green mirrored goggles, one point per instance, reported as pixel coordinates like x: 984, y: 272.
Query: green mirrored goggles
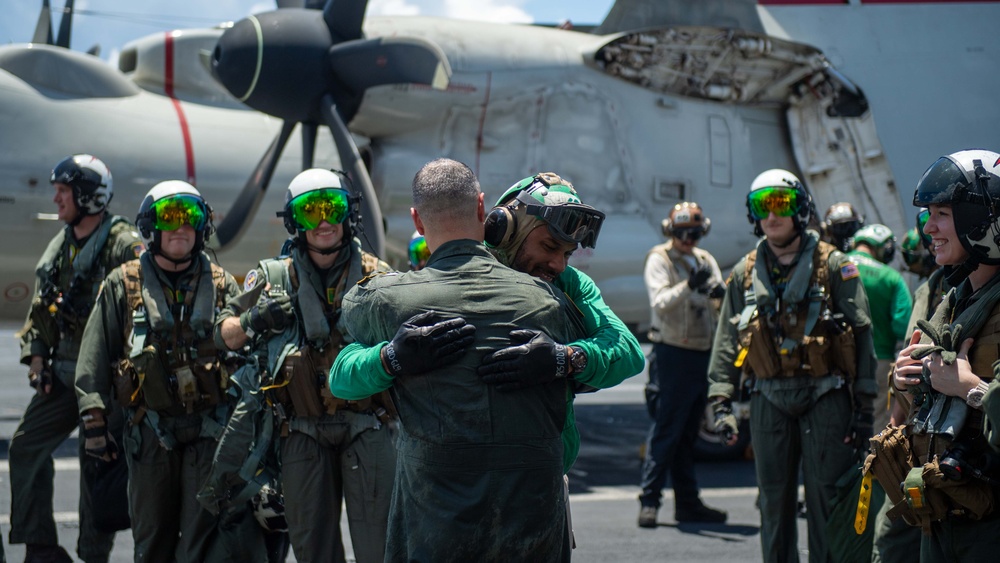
x: 310, y: 209
x: 783, y: 202
x: 172, y: 213
x: 419, y: 253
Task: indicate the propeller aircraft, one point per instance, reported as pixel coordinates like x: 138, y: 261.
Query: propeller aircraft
x: 663, y: 102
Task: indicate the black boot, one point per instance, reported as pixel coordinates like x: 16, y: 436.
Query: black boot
x: 35, y: 553
x: 699, y: 513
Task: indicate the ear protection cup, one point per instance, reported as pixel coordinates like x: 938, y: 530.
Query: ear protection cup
x: 708, y: 226
x: 665, y: 227
x: 500, y: 226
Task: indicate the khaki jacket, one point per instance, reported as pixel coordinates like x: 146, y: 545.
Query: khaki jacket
x: 680, y: 316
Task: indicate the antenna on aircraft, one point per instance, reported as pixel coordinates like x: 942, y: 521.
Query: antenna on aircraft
x: 43, y: 29
x: 312, y: 68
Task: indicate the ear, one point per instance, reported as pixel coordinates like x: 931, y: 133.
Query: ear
x: 481, y: 208
x: 415, y: 215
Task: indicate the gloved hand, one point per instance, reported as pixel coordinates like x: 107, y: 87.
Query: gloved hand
x: 270, y: 314
x: 40, y: 376
x: 725, y: 420
x: 98, y: 443
x: 861, y: 430
x: 717, y: 291
x: 426, y: 341
x: 534, y: 359
x: 699, y: 276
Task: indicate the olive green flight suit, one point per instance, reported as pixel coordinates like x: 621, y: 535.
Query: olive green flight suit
x: 799, y: 419
x: 55, y: 335
x: 346, y: 457
x: 169, y: 451
x: 479, y: 472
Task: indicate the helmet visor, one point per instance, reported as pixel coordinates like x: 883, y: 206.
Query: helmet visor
x: 570, y: 222
x: 419, y: 253
x: 312, y: 208
x: 783, y: 202
x: 172, y: 213
x: 940, y: 183
x: 691, y: 234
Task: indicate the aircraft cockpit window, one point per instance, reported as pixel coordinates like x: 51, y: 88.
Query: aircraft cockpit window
x: 726, y: 65
x: 58, y: 72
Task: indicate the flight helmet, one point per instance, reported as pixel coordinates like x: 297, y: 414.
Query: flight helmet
x: 916, y: 255
x: 544, y: 199
x: 317, y: 195
x: 840, y: 223
x: 969, y: 181
x: 687, y: 221
x: 91, y: 182
x: 879, y: 238
x: 418, y: 252
x: 170, y: 205
x: 780, y: 192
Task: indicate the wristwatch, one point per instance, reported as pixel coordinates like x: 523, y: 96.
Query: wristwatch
x: 577, y: 359
x: 975, y: 397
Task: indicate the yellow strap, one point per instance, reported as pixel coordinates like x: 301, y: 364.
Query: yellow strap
x: 864, y: 503
x: 741, y: 357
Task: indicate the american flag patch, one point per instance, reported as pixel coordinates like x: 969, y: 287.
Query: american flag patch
x: 848, y: 271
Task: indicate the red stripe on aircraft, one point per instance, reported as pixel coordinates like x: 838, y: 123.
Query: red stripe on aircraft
x: 168, y: 87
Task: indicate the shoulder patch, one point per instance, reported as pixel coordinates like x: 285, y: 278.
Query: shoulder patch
x: 137, y: 248
x: 849, y: 271
x: 250, y: 281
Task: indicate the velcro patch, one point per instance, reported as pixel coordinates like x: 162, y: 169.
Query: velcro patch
x: 250, y: 281
x: 137, y: 248
x: 849, y: 271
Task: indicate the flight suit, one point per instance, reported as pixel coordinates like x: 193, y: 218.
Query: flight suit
x: 68, y: 279
x: 161, y: 326
x: 342, y: 452
x: 479, y: 472
x: 890, y: 308
x: 796, y: 415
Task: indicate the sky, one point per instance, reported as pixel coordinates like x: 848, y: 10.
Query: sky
x: 112, y: 23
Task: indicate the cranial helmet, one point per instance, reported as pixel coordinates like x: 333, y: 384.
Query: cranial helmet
x: 418, y: 251
x: 840, y: 223
x: 90, y: 180
x: 686, y: 220
x: 170, y: 205
x: 545, y: 199
x: 917, y: 257
x: 880, y: 239
x: 781, y: 192
x: 969, y: 181
x: 268, y: 507
x: 316, y: 195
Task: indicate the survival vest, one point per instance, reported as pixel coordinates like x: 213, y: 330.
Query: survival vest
x: 174, y: 369
x: 808, y: 342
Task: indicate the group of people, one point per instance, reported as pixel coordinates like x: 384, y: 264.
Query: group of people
x: 434, y: 404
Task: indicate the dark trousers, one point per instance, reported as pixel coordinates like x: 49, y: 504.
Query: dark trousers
x: 676, y: 396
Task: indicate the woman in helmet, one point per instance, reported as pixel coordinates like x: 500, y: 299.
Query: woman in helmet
x: 92, y: 243
x: 801, y: 313
x: 150, y: 340
x: 953, y: 435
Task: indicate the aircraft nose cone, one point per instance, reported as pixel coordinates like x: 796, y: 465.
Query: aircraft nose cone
x: 276, y: 62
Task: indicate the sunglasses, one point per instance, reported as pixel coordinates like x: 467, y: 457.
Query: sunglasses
x: 783, y: 202
x: 172, y: 213
x: 310, y: 209
x: 570, y: 222
x: 419, y: 253
x: 688, y: 233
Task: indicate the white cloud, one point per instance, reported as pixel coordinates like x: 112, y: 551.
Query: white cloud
x: 392, y: 8
x: 505, y: 11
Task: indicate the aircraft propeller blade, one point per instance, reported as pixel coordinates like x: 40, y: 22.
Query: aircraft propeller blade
x: 65, y: 25
x: 350, y: 159
x: 43, y: 29
x: 308, y: 144
x: 367, y: 63
x: 245, y: 206
x: 343, y: 18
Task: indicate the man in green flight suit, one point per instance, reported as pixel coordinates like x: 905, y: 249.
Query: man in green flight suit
x: 889, y: 304
x: 332, y: 450
x: 795, y: 328
x: 471, y: 457
x: 148, y: 345
x: 93, y: 243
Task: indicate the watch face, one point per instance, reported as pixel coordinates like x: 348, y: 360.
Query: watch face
x: 579, y: 360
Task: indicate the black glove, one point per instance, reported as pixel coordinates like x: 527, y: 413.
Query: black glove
x: 534, y: 359
x: 862, y: 430
x: 98, y: 443
x: 717, y: 291
x: 270, y: 314
x: 699, y: 276
x: 427, y: 341
x: 41, y: 381
x: 725, y: 420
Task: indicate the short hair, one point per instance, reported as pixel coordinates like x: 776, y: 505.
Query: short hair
x: 446, y: 189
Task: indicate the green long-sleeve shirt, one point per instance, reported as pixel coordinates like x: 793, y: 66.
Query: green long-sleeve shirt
x: 849, y: 299
x: 889, y: 301
x: 613, y: 355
